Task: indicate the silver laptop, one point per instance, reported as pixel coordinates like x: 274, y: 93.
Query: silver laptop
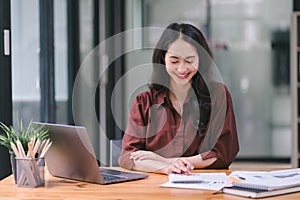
x: 72, y: 156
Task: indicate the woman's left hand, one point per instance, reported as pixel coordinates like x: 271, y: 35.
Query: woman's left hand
x: 146, y: 155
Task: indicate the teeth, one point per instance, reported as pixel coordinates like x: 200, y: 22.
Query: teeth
x: 182, y: 75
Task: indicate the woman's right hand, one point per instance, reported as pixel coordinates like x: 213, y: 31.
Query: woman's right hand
x: 178, y: 166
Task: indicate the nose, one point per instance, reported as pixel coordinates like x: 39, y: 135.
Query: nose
x: 181, y: 68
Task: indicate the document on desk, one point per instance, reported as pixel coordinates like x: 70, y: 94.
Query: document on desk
x: 204, y: 181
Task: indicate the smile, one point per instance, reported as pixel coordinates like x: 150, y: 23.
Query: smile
x: 183, y: 76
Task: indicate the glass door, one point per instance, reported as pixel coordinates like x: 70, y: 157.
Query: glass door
x: 25, y: 60
x: 251, y: 49
x: 26, y: 66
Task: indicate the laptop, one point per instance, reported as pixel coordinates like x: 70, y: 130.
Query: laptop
x: 72, y: 156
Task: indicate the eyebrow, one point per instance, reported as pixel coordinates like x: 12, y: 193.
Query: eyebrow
x: 188, y: 57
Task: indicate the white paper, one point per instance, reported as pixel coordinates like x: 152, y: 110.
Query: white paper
x: 209, y: 181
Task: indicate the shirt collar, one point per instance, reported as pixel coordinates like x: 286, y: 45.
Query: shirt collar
x: 162, y: 96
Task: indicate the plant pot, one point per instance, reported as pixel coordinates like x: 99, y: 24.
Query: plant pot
x: 13, y: 165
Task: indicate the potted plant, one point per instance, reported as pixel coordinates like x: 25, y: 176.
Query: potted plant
x: 12, y: 136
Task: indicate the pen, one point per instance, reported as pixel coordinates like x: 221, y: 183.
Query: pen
x: 188, y: 169
x: 242, y: 178
x: 190, y: 182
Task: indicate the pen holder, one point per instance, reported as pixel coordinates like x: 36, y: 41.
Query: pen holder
x: 30, y: 172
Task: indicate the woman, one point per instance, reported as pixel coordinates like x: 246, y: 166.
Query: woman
x: 186, y: 119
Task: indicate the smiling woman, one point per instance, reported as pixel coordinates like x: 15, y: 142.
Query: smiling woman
x: 181, y: 64
x: 170, y: 125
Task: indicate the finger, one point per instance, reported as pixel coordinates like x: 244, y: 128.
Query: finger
x: 188, y: 164
x: 173, y: 169
x: 141, y: 157
x: 176, y: 168
x: 138, y: 155
x: 135, y: 157
x: 180, y: 165
x: 185, y: 166
x: 135, y: 152
x: 131, y: 157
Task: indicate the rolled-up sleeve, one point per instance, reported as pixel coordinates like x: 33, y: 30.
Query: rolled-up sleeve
x: 134, y: 137
x: 227, y: 146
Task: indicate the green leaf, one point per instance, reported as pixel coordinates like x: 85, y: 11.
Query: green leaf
x: 22, y: 134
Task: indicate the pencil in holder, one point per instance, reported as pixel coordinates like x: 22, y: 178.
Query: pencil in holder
x: 30, y: 172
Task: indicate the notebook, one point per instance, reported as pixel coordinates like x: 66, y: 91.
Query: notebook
x: 72, y: 156
x: 257, y: 193
x: 266, y: 180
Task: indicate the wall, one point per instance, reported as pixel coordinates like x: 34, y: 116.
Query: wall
x: 242, y: 34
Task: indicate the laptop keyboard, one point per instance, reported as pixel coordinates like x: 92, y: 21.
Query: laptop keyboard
x: 109, y: 177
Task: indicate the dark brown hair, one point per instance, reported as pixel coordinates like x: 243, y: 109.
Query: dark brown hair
x: 160, y: 78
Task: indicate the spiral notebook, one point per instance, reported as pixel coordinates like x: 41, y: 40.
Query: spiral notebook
x: 257, y: 193
x: 259, y: 184
x: 266, y: 180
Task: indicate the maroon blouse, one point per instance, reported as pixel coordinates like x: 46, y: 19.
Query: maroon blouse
x: 154, y: 125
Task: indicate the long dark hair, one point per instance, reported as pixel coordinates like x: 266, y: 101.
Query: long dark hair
x: 160, y: 79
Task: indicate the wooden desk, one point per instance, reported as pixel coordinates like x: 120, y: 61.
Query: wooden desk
x: 57, y: 188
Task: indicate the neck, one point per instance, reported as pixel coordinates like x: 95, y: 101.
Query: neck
x: 179, y: 92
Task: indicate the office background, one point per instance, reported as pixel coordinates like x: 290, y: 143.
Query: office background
x: 50, y: 40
